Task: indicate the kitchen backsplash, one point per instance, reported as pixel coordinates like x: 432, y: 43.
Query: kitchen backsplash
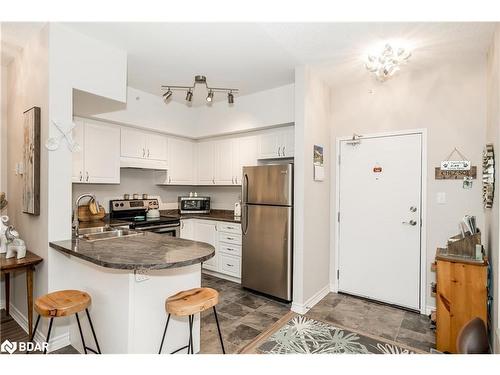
x: 142, y: 181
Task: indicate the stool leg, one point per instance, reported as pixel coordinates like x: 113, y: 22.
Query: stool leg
x: 34, y: 331
x: 48, y: 334
x: 93, y: 332
x: 190, y: 345
x: 81, y: 333
x: 220, y: 334
x: 164, y: 333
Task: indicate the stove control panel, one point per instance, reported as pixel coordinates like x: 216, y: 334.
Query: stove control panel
x: 133, y: 204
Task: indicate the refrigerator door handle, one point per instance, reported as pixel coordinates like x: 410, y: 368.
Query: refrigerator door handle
x: 245, y: 188
x: 244, y: 226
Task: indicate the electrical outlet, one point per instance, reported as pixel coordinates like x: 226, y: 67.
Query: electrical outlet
x: 441, y: 198
x: 141, y: 275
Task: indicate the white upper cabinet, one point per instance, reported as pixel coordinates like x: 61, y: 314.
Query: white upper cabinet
x: 98, y: 161
x: 277, y: 144
x: 224, y: 161
x: 181, y: 162
x: 206, y: 163
x: 245, y: 155
x: 143, y: 149
x: 78, y: 166
x: 156, y: 147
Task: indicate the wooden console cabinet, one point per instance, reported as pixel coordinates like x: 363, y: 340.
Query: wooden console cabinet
x: 461, y: 296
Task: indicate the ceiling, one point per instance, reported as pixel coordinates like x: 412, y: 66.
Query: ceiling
x: 259, y: 56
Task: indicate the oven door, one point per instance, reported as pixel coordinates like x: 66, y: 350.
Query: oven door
x: 168, y: 230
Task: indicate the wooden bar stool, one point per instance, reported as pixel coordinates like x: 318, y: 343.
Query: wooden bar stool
x: 64, y: 303
x: 190, y: 302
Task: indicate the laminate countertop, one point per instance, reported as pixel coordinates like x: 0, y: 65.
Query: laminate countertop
x: 217, y: 215
x: 146, y: 251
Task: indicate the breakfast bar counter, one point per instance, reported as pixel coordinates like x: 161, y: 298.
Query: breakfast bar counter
x: 129, y: 278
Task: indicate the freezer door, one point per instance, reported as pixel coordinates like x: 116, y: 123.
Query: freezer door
x: 267, y: 250
x: 268, y: 184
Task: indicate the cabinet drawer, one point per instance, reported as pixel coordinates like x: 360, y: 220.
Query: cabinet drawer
x: 230, y: 238
x: 229, y: 228
x: 230, y: 265
x: 234, y: 250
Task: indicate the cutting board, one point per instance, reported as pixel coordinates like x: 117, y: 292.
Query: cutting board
x: 84, y: 213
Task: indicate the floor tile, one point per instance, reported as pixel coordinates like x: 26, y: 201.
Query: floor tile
x: 416, y: 322
x: 273, y: 308
x: 252, y: 301
x: 416, y: 340
x: 233, y: 310
x: 259, y: 320
x: 241, y: 334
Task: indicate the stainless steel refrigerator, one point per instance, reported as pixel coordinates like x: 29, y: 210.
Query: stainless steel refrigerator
x: 267, y: 226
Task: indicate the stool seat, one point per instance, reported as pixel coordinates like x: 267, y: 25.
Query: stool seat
x: 62, y: 303
x: 192, y: 301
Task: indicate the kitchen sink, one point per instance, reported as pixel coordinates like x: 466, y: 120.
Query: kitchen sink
x: 110, y: 234
x: 85, y: 231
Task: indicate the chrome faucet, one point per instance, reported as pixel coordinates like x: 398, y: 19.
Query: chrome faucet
x: 76, y: 223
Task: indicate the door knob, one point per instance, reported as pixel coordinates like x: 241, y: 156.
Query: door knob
x: 411, y: 222
x: 413, y: 209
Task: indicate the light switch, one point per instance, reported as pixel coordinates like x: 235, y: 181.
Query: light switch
x: 441, y: 197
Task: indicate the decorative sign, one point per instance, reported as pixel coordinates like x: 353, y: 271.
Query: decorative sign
x: 31, y: 160
x: 441, y: 174
x: 318, y: 155
x: 488, y: 176
x: 455, y: 165
x: 377, y: 169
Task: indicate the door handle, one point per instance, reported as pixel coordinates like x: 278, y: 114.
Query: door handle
x: 411, y: 222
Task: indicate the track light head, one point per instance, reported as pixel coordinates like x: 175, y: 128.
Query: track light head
x: 210, y: 96
x: 189, y: 96
x: 167, y: 95
x: 230, y: 97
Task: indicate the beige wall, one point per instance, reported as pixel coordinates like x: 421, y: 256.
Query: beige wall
x: 492, y: 229
x: 312, y: 198
x: 28, y: 87
x: 449, y: 100
x: 3, y: 152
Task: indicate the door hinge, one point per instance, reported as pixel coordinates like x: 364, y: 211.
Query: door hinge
x: 339, y: 159
x: 338, y: 274
x: 338, y: 216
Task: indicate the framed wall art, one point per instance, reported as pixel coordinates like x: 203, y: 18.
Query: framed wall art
x: 31, y: 160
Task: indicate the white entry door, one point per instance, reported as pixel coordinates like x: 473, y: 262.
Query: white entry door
x: 380, y: 181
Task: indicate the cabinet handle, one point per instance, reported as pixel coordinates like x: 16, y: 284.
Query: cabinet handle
x: 279, y: 150
x: 148, y: 152
x: 143, y: 152
x: 87, y: 177
x: 236, y: 180
x: 229, y: 265
x: 283, y: 150
x: 182, y: 225
x: 81, y: 176
x: 169, y: 179
x: 213, y: 181
x: 230, y: 238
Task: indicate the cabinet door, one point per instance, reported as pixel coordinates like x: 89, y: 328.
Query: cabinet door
x: 288, y: 142
x: 206, y: 232
x: 246, y: 151
x: 78, y: 169
x: 102, y: 153
x: 224, y: 162
x: 268, y: 145
x: 206, y: 163
x: 133, y: 143
x: 180, y: 162
x: 187, y: 230
x: 156, y: 147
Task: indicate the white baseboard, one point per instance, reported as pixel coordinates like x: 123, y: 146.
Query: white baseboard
x: 222, y: 276
x: 429, y: 309
x: 56, y: 342
x: 305, y: 307
x: 333, y: 287
x: 497, y: 334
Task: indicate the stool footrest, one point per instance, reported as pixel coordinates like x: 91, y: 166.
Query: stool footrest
x: 178, y: 350
x: 92, y: 350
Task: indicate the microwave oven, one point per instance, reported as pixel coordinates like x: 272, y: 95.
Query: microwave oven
x: 194, y: 205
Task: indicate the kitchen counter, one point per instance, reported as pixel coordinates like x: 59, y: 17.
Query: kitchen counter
x: 146, y: 251
x: 217, y: 215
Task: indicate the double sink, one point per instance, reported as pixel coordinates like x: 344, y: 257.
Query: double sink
x: 106, y: 233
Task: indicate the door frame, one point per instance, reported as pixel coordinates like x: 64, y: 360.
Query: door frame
x: 423, y: 208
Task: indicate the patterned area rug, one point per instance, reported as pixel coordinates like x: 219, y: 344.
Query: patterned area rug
x: 301, y: 335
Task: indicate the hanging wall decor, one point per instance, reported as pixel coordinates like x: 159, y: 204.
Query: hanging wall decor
x: 488, y: 176
x: 458, y: 169
x: 31, y: 159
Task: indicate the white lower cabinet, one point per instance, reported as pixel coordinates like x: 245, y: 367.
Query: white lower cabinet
x: 225, y: 237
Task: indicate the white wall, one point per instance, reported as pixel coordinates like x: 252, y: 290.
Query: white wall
x: 249, y: 112
x: 311, y: 204
x: 143, y: 181
x: 28, y: 87
x: 449, y: 101
x: 492, y: 222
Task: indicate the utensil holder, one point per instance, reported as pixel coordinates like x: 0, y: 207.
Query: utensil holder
x: 464, y: 246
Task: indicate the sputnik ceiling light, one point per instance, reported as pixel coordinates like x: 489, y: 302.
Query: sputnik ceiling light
x: 199, y: 79
x: 387, y: 62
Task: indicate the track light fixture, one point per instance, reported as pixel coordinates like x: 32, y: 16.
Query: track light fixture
x: 210, y: 96
x: 199, y: 79
x: 167, y: 95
